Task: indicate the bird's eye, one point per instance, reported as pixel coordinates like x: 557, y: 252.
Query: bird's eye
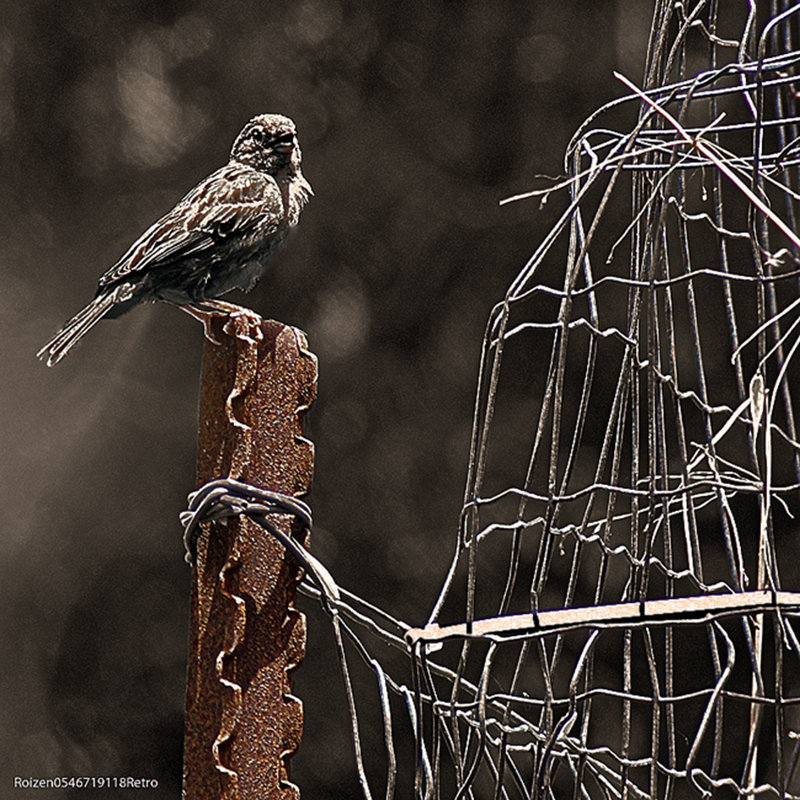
x: 257, y: 134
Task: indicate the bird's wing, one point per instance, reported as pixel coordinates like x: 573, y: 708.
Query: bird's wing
x: 229, y: 203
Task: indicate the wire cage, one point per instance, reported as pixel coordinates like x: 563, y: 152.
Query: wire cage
x: 620, y: 615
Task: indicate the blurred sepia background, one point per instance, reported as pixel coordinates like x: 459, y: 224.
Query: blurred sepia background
x: 415, y: 119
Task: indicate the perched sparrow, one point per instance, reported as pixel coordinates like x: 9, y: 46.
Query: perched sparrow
x: 216, y: 239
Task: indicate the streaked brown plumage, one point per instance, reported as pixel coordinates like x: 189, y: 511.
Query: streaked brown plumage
x: 215, y: 239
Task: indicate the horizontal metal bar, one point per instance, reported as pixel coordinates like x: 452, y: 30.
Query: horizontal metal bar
x: 672, y: 609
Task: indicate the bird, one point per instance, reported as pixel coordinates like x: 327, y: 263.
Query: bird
x: 216, y: 239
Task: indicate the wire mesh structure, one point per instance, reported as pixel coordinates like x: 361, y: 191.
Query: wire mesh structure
x: 620, y: 616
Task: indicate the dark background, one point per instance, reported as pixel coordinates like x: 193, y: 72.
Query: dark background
x: 415, y: 120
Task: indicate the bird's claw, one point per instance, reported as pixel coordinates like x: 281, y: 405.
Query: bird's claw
x: 206, y: 317
x: 208, y: 330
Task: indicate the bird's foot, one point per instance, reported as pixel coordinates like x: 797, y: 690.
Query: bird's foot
x: 221, y: 307
x: 205, y: 311
x: 205, y: 317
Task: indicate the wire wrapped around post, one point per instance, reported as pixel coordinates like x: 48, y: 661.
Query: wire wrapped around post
x: 242, y: 722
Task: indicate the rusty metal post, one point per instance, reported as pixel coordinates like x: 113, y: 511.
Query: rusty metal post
x: 242, y: 723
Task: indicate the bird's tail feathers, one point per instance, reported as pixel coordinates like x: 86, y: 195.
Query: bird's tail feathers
x: 81, y: 324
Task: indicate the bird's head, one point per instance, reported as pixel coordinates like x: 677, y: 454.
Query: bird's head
x: 268, y: 143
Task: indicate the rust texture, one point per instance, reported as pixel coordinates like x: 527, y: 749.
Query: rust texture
x: 242, y: 723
